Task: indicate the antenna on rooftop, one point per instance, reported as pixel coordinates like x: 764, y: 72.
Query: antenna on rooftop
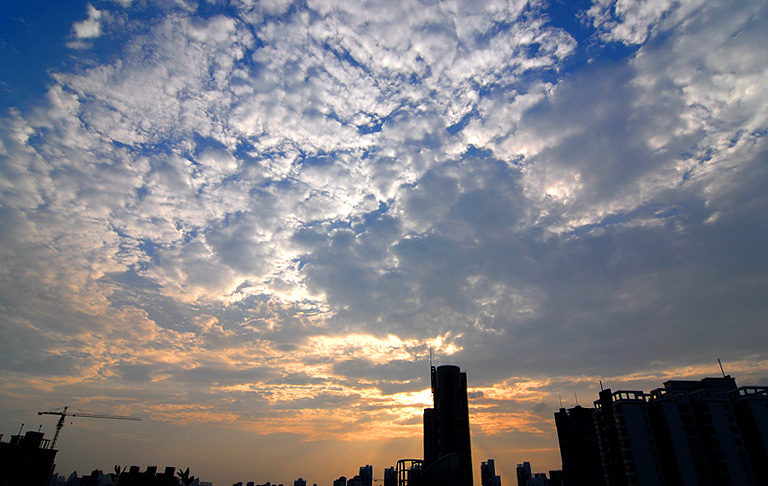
x: 577, y: 398
x: 601, y: 385
x: 561, y: 401
x: 721, y: 367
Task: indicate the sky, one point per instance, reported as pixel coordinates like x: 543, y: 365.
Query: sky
x: 247, y: 222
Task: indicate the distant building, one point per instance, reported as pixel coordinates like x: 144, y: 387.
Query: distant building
x: 366, y: 475
x: 539, y: 479
x: 26, y: 460
x: 390, y: 477
x: 354, y: 481
x: 134, y: 477
x: 342, y: 481
x: 688, y: 432
x: 300, y: 482
x: 524, y: 474
x: 488, y: 475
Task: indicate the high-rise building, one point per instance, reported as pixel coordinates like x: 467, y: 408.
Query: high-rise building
x: 446, y: 427
x: 578, y: 447
x: 688, y: 432
x: 300, y: 482
x: 524, y: 474
x: 488, y: 475
x: 390, y: 477
x: 366, y: 475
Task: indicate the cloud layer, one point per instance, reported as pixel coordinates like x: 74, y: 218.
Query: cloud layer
x: 262, y: 216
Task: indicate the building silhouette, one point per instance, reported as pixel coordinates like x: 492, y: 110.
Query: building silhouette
x: 26, y: 460
x: 149, y: 477
x: 488, y: 475
x: 524, y: 474
x: 447, y: 450
x: 366, y: 475
x: 706, y: 432
x: 390, y: 477
x: 579, y: 450
x: 342, y: 481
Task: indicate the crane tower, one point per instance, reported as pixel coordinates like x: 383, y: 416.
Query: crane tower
x: 63, y: 414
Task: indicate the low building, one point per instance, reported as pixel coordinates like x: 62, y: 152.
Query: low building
x: 26, y: 460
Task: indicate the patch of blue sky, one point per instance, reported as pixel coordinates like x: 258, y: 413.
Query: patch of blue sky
x: 344, y: 56
x: 131, y: 279
x: 362, y: 222
x: 33, y: 42
x: 477, y: 153
x: 150, y: 249
x: 461, y: 124
x: 376, y: 124
x: 570, y: 16
x: 207, y: 10
x: 203, y: 143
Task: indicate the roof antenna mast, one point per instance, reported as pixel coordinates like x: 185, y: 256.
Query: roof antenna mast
x: 721, y: 367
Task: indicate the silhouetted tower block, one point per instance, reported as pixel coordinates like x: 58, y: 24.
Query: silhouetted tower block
x: 750, y: 404
x: 446, y: 425
x: 488, y: 475
x: 300, y: 482
x: 698, y: 432
x: 26, y: 460
x: 366, y: 475
x: 579, y: 451
x: 390, y: 477
x: 342, y: 481
x: 523, y: 474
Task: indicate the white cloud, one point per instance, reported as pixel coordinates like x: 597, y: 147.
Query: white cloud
x: 256, y: 204
x: 91, y: 27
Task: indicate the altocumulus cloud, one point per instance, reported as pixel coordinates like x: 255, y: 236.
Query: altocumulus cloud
x: 262, y: 215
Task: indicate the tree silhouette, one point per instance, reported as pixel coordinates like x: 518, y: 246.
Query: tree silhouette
x: 185, y: 478
x: 116, y: 475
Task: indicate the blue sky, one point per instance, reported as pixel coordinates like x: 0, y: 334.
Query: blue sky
x: 247, y: 222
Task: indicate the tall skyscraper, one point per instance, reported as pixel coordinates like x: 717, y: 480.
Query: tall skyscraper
x: 447, y: 450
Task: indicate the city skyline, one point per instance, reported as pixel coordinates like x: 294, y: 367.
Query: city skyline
x: 247, y: 222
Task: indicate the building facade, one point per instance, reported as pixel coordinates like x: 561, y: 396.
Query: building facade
x: 705, y: 432
x: 446, y: 426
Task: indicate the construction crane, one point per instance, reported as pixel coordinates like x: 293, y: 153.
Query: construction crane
x: 63, y: 416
